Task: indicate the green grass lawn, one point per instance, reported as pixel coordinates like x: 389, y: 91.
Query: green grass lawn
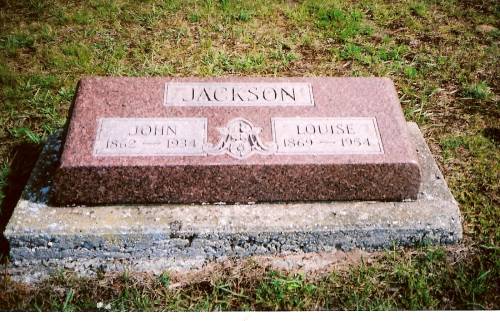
x: 443, y: 56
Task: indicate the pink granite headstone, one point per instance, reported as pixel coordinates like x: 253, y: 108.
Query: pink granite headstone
x: 235, y: 140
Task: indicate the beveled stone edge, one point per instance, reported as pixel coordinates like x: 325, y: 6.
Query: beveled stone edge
x: 65, y: 194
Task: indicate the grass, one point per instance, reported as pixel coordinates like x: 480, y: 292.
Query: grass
x: 445, y: 70
x: 478, y: 91
x: 424, y: 278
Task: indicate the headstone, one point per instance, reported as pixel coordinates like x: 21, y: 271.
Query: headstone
x: 235, y: 140
x: 88, y: 240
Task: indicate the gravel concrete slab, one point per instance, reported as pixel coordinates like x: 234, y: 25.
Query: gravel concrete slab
x: 44, y: 238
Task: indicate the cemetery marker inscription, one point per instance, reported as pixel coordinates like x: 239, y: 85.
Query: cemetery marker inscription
x: 238, y: 94
x: 145, y: 140
x: 150, y: 136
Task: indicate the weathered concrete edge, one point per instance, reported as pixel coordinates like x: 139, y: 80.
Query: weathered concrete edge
x: 175, y: 236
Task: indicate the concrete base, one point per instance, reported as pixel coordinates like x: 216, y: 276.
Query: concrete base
x: 43, y: 238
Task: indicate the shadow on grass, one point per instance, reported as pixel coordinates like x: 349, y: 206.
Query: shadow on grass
x: 24, y: 158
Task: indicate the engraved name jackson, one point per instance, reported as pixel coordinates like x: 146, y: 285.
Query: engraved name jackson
x: 240, y: 94
x: 264, y: 94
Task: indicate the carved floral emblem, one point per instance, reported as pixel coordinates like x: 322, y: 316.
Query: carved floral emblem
x: 240, y: 139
